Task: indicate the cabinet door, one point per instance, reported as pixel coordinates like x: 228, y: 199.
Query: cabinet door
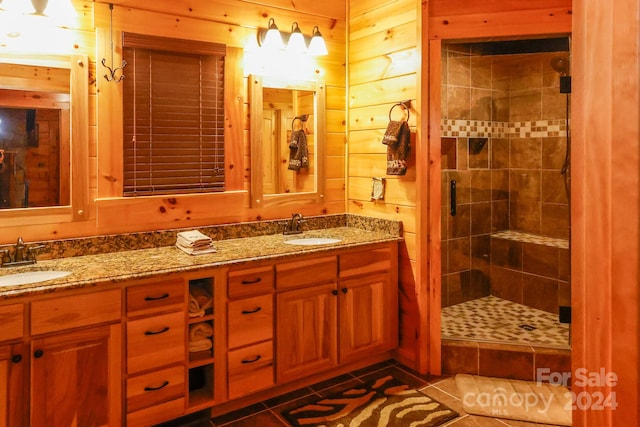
x: 13, y: 395
x: 306, y: 331
x: 75, y: 378
x: 367, y: 316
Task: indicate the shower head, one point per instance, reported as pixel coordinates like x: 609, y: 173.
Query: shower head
x: 560, y: 64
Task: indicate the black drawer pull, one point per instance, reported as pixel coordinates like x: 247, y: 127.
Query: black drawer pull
x: 334, y: 292
x: 164, y: 384
x: 251, y: 282
x: 255, y: 359
x: 163, y: 296
x: 16, y: 358
x: 345, y: 290
x: 38, y: 354
x: 161, y: 331
x: 252, y: 311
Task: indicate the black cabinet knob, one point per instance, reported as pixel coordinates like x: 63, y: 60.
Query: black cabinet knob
x: 16, y: 358
x: 38, y: 354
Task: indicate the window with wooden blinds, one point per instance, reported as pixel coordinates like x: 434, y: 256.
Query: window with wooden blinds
x: 173, y: 116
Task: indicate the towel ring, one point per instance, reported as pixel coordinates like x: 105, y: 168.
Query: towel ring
x: 303, y: 118
x: 405, y: 106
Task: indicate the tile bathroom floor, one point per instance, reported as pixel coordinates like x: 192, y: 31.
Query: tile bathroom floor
x: 267, y: 413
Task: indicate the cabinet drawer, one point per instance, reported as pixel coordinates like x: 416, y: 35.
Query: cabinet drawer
x: 250, y: 281
x: 306, y: 272
x: 250, y: 369
x: 156, y: 414
x: 250, y: 320
x: 155, y: 296
x: 74, y: 311
x: 155, y: 341
x: 155, y: 387
x: 364, y: 262
x: 12, y: 321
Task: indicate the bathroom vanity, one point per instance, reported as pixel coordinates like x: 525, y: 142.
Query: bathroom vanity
x: 109, y: 343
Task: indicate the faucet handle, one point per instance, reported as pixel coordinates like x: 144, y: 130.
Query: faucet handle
x: 32, y: 252
x: 6, y: 257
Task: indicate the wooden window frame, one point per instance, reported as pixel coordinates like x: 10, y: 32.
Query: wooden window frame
x: 207, y: 173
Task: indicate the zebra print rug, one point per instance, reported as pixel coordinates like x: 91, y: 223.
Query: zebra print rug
x: 383, y: 402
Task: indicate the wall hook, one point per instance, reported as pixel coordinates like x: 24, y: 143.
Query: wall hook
x: 111, y: 74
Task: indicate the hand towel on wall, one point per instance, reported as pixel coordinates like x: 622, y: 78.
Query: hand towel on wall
x: 397, y: 138
x: 298, y: 151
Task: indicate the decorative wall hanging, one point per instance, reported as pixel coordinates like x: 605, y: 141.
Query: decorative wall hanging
x: 111, y: 74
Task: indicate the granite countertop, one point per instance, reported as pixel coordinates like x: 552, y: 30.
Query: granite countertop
x: 114, y: 267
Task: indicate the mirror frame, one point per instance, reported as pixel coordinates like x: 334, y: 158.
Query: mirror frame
x: 256, y: 84
x: 78, y: 210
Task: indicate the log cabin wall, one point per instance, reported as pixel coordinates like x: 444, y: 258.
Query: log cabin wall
x: 234, y: 23
x: 382, y: 71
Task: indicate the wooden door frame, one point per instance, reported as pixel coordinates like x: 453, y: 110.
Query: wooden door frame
x: 428, y: 187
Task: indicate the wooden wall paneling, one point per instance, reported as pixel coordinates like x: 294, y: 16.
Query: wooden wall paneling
x: 382, y: 43
x: 382, y: 72
x: 238, y: 12
x: 234, y: 115
x: 433, y: 250
x: 466, y: 7
x: 500, y: 24
x: 391, y: 91
x: 605, y: 206
x: 365, y: 6
x: 385, y: 16
x: 385, y: 66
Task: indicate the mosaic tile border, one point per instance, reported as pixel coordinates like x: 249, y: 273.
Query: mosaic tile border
x: 489, y: 129
x: 520, y: 236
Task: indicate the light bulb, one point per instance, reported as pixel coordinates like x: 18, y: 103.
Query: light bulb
x: 317, y: 46
x: 273, y: 38
x: 296, y: 42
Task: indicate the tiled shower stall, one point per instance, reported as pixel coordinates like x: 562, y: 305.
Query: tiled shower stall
x: 504, y: 143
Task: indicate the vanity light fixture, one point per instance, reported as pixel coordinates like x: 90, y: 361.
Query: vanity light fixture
x: 317, y: 46
x: 272, y: 39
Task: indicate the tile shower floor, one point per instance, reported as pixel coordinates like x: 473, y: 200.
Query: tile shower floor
x: 492, y: 319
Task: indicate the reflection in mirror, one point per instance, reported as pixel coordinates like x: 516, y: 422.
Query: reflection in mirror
x: 287, y: 134
x: 43, y: 113
x: 288, y: 140
x: 34, y: 149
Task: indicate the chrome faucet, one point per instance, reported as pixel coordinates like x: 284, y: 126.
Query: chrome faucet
x: 22, y: 255
x: 293, y: 225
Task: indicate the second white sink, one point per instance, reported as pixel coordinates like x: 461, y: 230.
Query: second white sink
x: 309, y: 241
x: 31, y: 277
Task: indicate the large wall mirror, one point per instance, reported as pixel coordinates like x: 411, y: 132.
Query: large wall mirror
x: 287, y: 140
x: 43, y: 139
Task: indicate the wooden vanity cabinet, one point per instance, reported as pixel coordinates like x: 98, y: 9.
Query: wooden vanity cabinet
x: 155, y: 343
x: 335, y: 310
x: 13, y: 367
x: 250, y: 324
x: 367, y: 307
x: 75, y: 355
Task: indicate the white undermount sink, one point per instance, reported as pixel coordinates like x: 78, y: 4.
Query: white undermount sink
x: 309, y: 241
x: 31, y: 277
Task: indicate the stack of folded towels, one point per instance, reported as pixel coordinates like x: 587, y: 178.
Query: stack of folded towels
x: 199, y: 301
x: 200, y: 337
x: 194, y: 242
